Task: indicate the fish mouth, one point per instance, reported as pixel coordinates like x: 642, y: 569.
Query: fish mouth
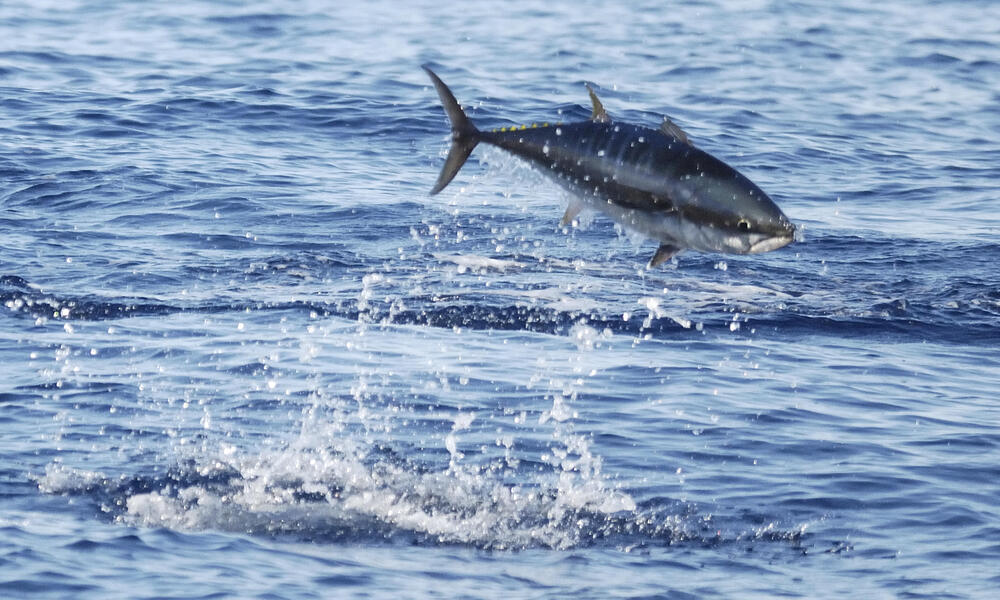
x: 773, y: 242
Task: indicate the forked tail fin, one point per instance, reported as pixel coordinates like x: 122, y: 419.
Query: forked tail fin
x: 464, y: 135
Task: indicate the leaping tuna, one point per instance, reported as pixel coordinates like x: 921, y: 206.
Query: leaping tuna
x: 653, y: 181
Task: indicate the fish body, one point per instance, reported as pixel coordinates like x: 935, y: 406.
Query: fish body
x: 654, y: 181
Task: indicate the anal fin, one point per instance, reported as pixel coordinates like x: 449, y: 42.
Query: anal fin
x: 664, y: 253
x: 572, y: 212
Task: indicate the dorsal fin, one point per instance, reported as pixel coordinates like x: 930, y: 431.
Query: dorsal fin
x: 599, y: 115
x: 674, y: 130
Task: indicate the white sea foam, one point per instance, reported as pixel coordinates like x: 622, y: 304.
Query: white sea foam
x: 59, y: 479
x: 334, y: 483
x: 655, y: 312
x: 471, y: 262
x: 460, y: 504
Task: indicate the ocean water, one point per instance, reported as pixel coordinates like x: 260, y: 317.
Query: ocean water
x: 245, y: 354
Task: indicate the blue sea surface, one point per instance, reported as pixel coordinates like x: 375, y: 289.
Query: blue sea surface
x: 245, y: 354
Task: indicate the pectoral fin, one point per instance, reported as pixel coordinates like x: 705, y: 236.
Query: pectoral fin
x: 664, y: 253
x: 599, y: 115
x: 674, y: 130
x: 572, y: 212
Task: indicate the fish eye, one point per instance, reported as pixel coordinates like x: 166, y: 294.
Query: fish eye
x: 743, y: 225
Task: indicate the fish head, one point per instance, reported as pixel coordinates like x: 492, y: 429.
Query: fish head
x: 737, y: 217
x: 761, y: 226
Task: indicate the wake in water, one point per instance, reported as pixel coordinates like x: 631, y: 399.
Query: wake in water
x: 377, y: 466
x: 362, y: 468
x: 328, y: 496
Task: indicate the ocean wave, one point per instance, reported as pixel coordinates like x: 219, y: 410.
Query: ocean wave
x: 961, y: 312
